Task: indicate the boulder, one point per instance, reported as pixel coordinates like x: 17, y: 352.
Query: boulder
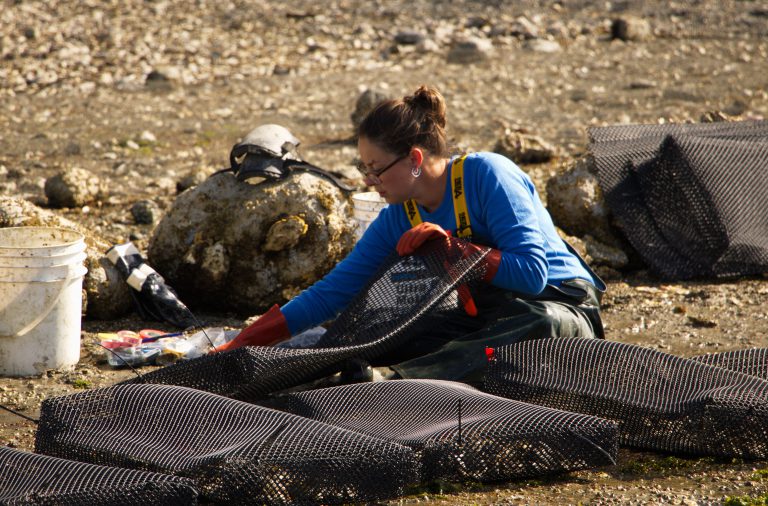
x: 74, y: 187
x: 227, y: 244
x: 576, y: 203
x: 106, y: 294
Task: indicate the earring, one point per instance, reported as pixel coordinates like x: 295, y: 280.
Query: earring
x: 416, y: 171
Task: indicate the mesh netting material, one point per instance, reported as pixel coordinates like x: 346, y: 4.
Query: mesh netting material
x: 406, y: 296
x: 689, y: 197
x: 662, y: 402
x: 30, y: 479
x: 460, y: 433
x: 753, y: 361
x: 235, y: 452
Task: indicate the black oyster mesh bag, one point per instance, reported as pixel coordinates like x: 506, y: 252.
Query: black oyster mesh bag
x: 691, y: 198
x: 662, y: 402
x: 753, y: 361
x: 460, y: 433
x: 235, y: 452
x: 31, y: 479
x: 406, y: 296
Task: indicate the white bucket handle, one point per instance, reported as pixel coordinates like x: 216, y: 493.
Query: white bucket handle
x: 73, y: 274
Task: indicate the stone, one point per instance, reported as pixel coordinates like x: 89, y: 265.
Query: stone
x: 191, y: 179
x: 226, y: 244
x: 631, y: 28
x: 72, y: 148
x: 367, y: 100
x: 576, y: 204
x: 524, y: 28
x: 469, y: 50
x: 543, y: 46
x: 409, y: 37
x: 106, y: 293
x: 74, y: 187
x: 524, y: 148
x: 603, y: 254
x: 145, y: 212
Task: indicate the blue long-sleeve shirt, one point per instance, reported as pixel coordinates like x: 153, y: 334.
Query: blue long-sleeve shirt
x: 505, y: 213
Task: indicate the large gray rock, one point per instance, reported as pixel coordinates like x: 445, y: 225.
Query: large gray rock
x: 233, y: 245
x: 106, y: 294
x: 74, y: 187
x: 575, y: 201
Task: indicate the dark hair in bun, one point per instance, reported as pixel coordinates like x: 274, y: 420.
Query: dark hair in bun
x: 397, y: 125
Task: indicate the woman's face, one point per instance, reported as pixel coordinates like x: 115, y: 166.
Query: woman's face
x: 387, y: 172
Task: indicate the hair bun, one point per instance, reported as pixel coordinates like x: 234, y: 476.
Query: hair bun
x: 430, y: 101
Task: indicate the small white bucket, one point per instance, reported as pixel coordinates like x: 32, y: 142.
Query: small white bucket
x: 41, y: 279
x: 365, y: 208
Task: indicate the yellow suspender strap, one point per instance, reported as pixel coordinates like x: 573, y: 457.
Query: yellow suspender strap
x: 412, y: 212
x: 463, y: 228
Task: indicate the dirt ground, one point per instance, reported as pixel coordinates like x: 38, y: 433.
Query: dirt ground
x: 74, y: 93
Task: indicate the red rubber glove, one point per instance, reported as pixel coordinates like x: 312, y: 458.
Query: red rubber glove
x: 418, y: 235
x: 423, y: 232
x: 270, y: 328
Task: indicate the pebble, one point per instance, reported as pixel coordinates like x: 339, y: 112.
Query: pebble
x: 409, y: 37
x: 631, y: 28
x: 543, y: 46
x: 145, y: 212
x: 470, y: 50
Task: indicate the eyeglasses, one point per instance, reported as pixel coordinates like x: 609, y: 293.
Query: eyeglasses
x: 375, y: 174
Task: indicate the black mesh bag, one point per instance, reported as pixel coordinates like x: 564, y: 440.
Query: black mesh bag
x: 235, y: 452
x: 460, y: 433
x: 753, y: 361
x: 690, y: 198
x: 407, y: 296
x: 662, y: 402
x: 30, y: 479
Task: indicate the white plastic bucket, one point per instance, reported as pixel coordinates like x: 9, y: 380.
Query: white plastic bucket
x: 365, y: 208
x: 41, y: 279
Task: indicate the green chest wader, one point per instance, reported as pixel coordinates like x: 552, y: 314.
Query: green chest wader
x: 455, y: 350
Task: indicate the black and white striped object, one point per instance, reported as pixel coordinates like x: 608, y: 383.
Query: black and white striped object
x: 461, y: 433
x: 661, y: 401
x: 32, y: 479
x: 236, y: 453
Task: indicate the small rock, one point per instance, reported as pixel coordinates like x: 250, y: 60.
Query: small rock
x: 365, y: 102
x: 543, y: 46
x: 409, y: 37
x: 476, y: 22
x: 145, y: 212
x: 715, y: 116
x: 602, y: 254
x: 427, y: 46
x: 158, y: 80
x: 524, y: 148
x: 74, y: 187
x: 470, y: 50
x: 72, y: 148
x: 524, y: 28
x: 147, y: 137
x: 630, y: 28
x: 191, y: 179
x: 642, y: 84
x: 131, y: 144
